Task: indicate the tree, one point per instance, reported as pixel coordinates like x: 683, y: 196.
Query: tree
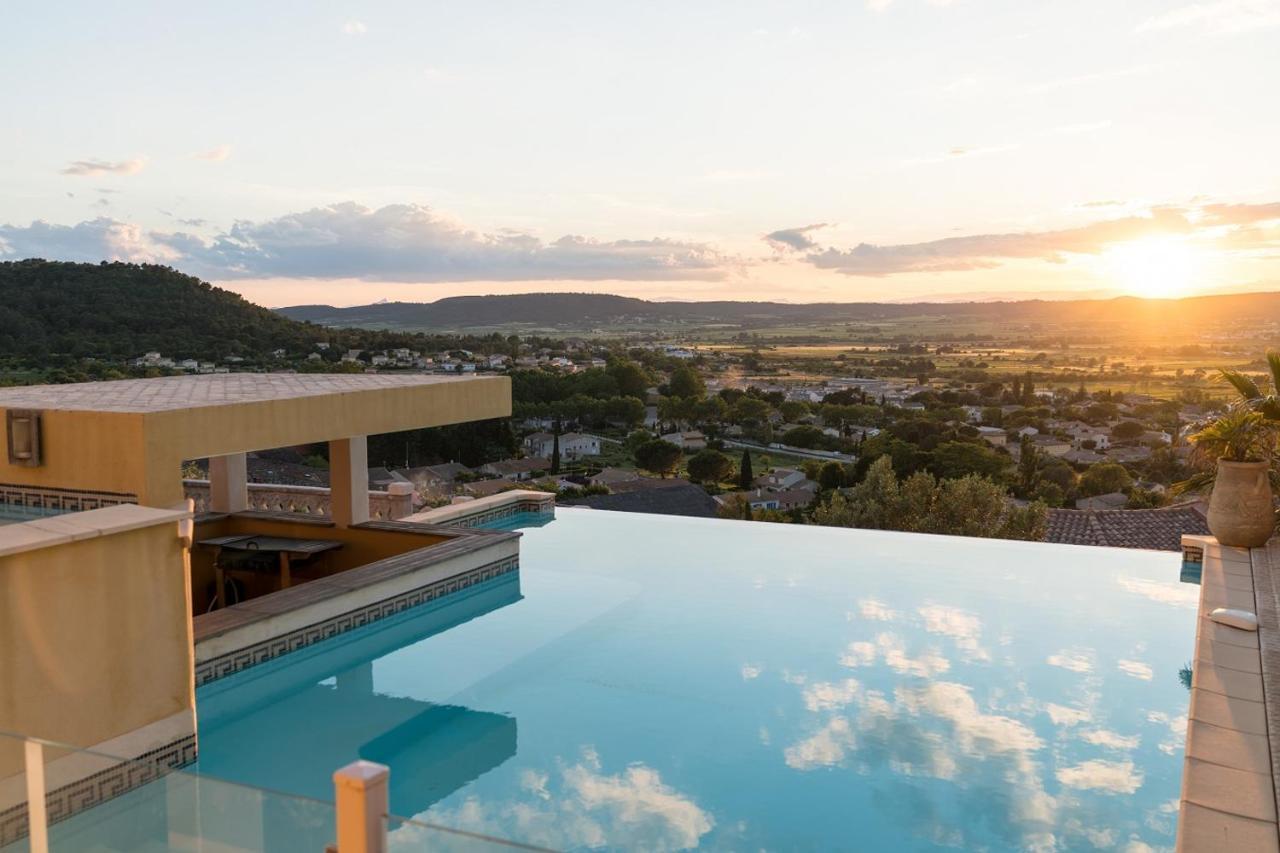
x: 967, y: 506
x: 831, y: 475
x: 745, y: 475
x: 555, y: 450
x: 1028, y: 466
x: 631, y: 378
x: 1127, y: 430
x: 955, y: 459
x: 710, y: 466
x: 660, y: 457
x: 685, y: 382
x: 1103, y: 478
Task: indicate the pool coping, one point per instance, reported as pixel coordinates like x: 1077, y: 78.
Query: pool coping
x: 1229, y: 796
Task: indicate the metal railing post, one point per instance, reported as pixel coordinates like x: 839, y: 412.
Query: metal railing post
x: 362, y: 799
x: 37, y: 816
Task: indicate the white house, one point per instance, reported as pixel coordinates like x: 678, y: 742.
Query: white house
x: 692, y: 440
x: 572, y: 445
x: 993, y: 436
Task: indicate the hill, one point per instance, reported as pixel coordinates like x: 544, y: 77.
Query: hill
x: 117, y: 311
x: 569, y: 311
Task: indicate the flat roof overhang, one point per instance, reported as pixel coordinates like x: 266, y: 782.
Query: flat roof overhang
x: 129, y: 435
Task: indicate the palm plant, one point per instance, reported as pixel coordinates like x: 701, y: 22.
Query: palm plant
x: 1251, y: 395
x: 1242, y: 434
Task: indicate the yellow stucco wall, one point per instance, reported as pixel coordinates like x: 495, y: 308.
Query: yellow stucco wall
x: 141, y: 453
x: 95, y: 637
x: 95, y: 451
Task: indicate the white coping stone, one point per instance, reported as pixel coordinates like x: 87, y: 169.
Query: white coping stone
x: 1242, y: 619
x: 1220, y: 804
x: 444, y: 514
x: 76, y: 526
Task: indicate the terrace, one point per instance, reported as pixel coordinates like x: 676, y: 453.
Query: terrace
x: 674, y: 683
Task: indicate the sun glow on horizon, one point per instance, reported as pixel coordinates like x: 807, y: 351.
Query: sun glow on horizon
x: 1155, y: 267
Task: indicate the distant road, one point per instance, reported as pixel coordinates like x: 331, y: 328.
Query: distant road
x: 826, y: 455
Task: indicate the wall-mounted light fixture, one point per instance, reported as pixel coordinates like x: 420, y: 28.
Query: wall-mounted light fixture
x: 22, y: 427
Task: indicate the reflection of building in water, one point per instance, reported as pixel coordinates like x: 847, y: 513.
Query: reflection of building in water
x: 308, y: 713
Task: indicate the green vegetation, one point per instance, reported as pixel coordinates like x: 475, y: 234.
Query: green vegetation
x: 968, y: 506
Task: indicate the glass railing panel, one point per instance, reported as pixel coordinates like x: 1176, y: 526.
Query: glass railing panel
x: 406, y: 834
x: 108, y: 803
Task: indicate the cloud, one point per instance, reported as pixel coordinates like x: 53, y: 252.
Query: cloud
x: 894, y: 654
x: 1070, y: 661
x: 1136, y: 668
x: 829, y: 696
x: 1227, y: 224
x: 878, y: 5
x: 403, y: 242
x: 85, y: 168
x: 1110, y: 777
x: 963, y: 627
x: 1064, y: 716
x: 1165, y: 592
x: 749, y: 671
x: 92, y: 241
x: 355, y: 28
x: 871, y: 608
x: 581, y: 807
x: 1109, y: 740
x: 795, y: 238
x: 1222, y: 17
x: 216, y: 155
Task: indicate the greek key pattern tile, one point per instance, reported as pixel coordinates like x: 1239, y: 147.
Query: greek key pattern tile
x: 242, y: 659
x: 102, y: 786
x: 498, y: 513
x: 41, y: 501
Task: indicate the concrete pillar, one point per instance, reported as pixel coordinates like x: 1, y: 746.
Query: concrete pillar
x: 361, y: 796
x: 349, y: 480
x: 228, y: 483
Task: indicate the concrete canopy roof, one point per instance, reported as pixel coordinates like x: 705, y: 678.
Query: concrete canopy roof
x: 219, y: 389
x: 131, y: 435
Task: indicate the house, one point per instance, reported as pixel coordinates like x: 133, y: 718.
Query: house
x: 760, y: 499
x: 673, y: 497
x: 779, y: 479
x: 1111, y: 500
x: 1051, y: 445
x: 485, y: 488
x: 612, y: 477
x: 517, y: 469
x: 573, y: 445
x: 994, y: 436
x: 1083, y: 457
x: 1028, y: 431
x: 1152, y: 529
x: 691, y: 440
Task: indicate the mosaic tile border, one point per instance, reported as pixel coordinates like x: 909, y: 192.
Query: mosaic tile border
x: 97, y: 788
x: 241, y: 659
x: 60, y: 500
x: 502, y: 512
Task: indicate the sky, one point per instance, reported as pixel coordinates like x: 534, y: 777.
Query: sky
x: 865, y: 150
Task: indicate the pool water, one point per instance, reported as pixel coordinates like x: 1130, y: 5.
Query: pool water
x: 667, y: 683
x: 520, y: 521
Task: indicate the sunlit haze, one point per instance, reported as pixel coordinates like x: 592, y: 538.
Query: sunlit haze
x: 886, y: 150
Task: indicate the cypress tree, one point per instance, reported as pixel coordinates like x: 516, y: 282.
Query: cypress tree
x: 555, y: 449
x: 745, y: 476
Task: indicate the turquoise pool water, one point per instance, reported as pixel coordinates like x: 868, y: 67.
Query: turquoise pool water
x: 663, y: 683
x: 520, y: 521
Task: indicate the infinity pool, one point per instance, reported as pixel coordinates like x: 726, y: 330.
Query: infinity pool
x: 665, y: 683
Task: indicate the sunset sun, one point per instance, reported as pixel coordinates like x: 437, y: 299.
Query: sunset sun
x: 1154, y: 267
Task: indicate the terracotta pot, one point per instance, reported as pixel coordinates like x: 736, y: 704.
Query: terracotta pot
x: 1240, y: 509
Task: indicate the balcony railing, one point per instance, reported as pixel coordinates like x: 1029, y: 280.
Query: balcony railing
x: 305, y: 500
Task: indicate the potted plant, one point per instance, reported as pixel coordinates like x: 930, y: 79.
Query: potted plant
x: 1239, y: 448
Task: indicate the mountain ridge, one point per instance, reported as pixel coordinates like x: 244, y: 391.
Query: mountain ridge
x: 585, y: 309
